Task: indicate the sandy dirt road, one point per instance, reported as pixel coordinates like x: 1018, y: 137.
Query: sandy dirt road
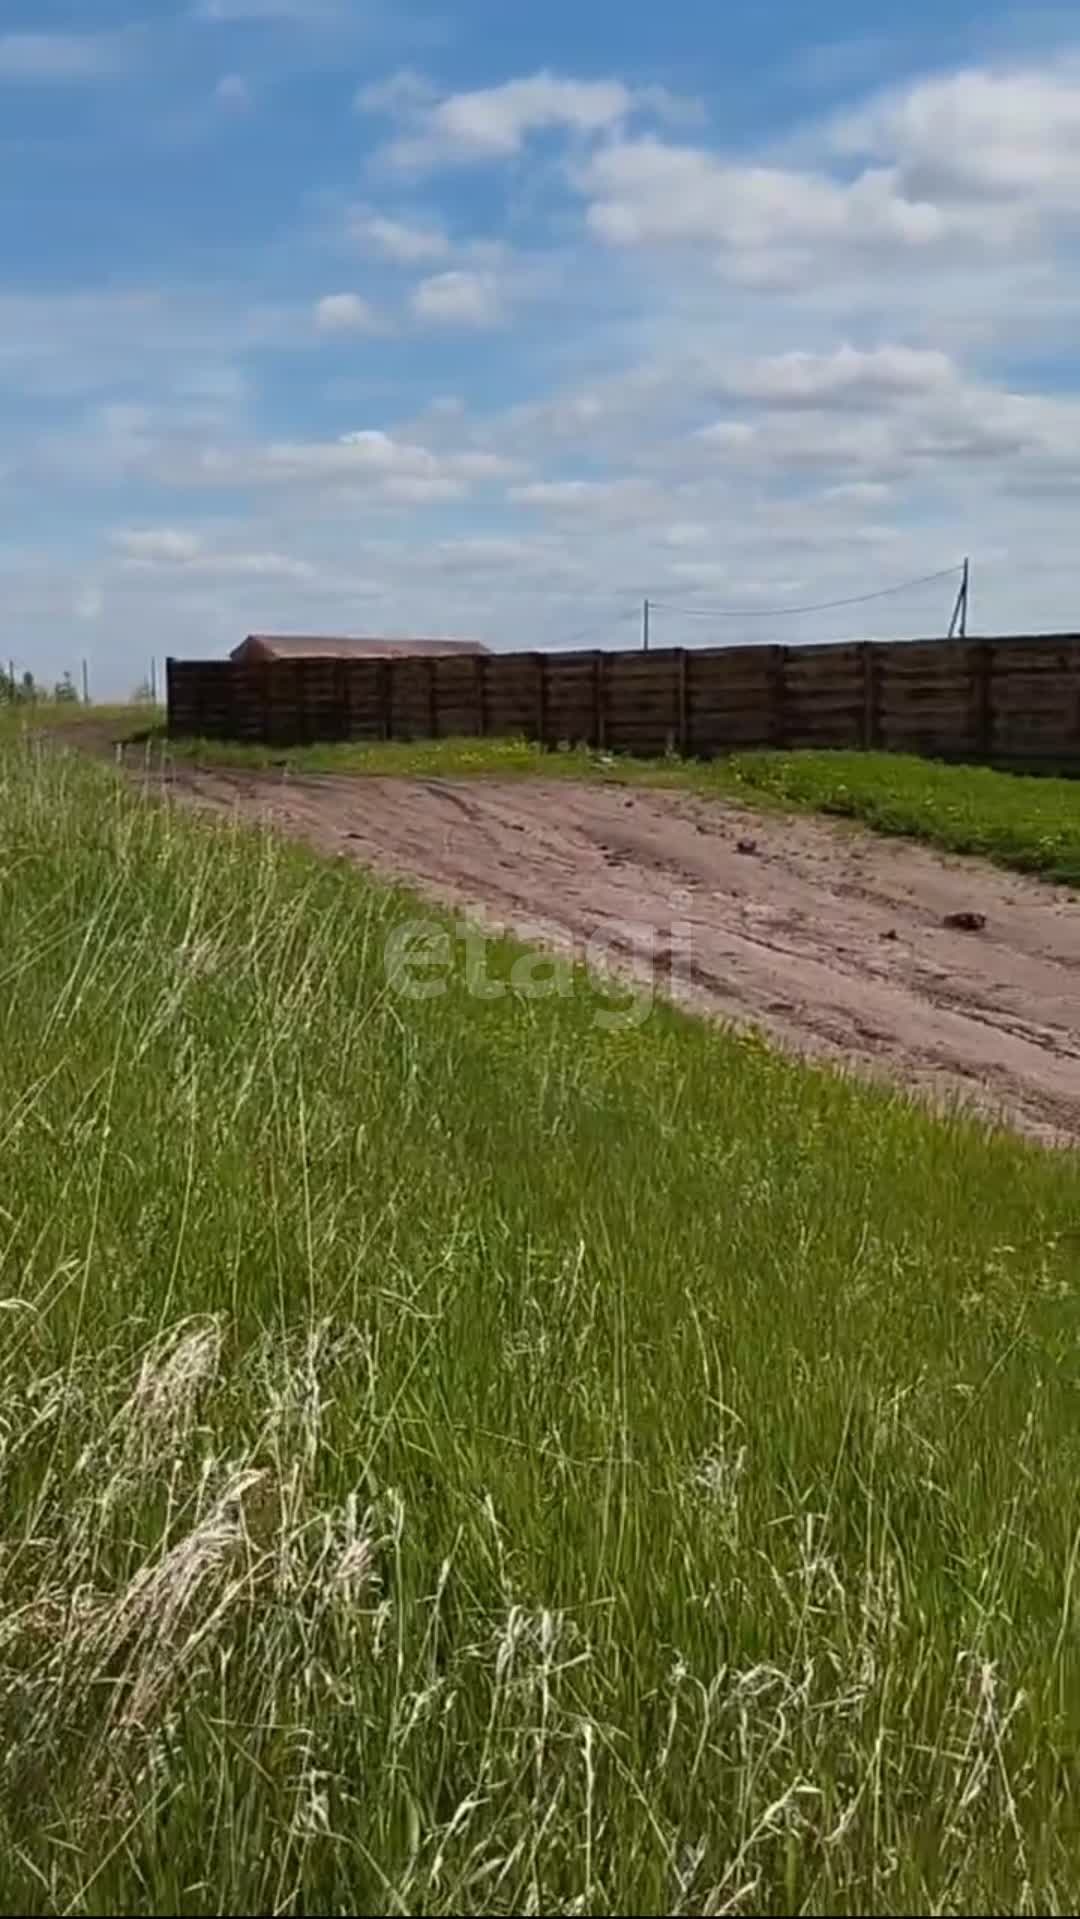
x: 830, y: 940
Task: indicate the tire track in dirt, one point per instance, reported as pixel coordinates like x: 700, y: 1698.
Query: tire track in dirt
x: 828, y: 939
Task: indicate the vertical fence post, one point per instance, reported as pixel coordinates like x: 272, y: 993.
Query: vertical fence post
x: 682, y: 669
x: 870, y: 708
x: 481, y: 694
x: 541, y: 697
x: 433, y: 701
x: 300, y: 705
x: 983, y: 665
x: 778, y: 695
x: 341, y: 699
x: 599, y: 701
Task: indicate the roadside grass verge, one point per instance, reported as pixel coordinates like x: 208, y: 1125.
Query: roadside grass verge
x: 70, y: 716
x: 1024, y: 821
x: 459, y: 1456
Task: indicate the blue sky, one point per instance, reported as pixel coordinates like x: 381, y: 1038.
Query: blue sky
x: 340, y: 315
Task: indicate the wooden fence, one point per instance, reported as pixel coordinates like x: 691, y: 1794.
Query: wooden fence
x: 1015, y: 698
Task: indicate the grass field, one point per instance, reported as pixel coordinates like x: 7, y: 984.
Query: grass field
x: 457, y: 1456
x: 1027, y: 822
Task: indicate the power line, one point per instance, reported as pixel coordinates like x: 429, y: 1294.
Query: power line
x: 597, y: 626
x: 822, y: 606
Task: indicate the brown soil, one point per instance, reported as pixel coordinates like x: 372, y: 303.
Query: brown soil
x: 831, y: 941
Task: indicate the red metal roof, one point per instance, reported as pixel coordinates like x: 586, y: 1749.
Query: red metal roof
x: 288, y: 646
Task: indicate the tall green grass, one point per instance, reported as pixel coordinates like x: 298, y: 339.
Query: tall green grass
x: 456, y: 1456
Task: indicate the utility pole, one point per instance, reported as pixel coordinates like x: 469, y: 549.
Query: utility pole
x: 645, y: 626
x: 959, y: 621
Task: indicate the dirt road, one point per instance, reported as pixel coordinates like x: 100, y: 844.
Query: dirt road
x: 831, y: 941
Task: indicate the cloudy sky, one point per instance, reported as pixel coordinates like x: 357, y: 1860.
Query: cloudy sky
x: 490, y: 319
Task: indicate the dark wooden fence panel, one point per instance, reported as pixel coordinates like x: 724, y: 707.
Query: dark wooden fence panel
x: 459, y: 695
x: 735, y: 699
x: 929, y: 696
x: 201, y: 698
x: 569, y: 708
x: 1011, y: 698
x: 414, y: 700
x: 641, y: 700
x: 367, y: 700
x: 514, y: 694
x: 284, y: 706
x: 824, y: 695
x: 1033, y: 698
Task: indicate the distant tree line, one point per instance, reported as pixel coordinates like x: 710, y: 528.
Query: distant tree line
x: 21, y: 689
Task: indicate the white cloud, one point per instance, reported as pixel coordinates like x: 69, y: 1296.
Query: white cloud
x: 157, y: 546
x: 166, y: 548
x: 626, y: 500
x: 371, y: 461
x: 846, y: 377
x: 233, y: 92
x: 88, y: 602
x: 496, y: 120
x: 855, y: 493
x: 342, y: 313
x: 402, y: 92
x: 911, y: 437
x: 684, y: 533
x: 486, y: 555
x: 77, y: 341
x: 238, y: 12
x: 61, y: 58
x: 458, y: 299
x: 492, y: 123
x: 1010, y: 134
x: 560, y: 494
x: 957, y: 171
x: 254, y: 566
x: 766, y: 224
x: 399, y: 241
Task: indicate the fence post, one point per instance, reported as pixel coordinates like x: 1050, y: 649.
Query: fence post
x: 870, y: 716
x: 341, y: 698
x: 541, y: 697
x: 433, y: 701
x: 984, y: 697
x: 777, y: 695
x: 481, y: 693
x: 681, y: 669
x: 599, y: 701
